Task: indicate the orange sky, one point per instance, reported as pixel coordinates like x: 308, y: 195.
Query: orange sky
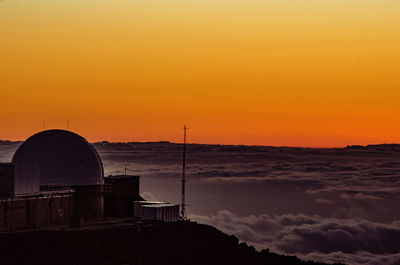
x: 297, y: 73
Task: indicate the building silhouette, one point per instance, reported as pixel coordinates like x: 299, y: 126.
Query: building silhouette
x: 56, y: 177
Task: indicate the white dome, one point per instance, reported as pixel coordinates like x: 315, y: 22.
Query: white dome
x: 56, y: 157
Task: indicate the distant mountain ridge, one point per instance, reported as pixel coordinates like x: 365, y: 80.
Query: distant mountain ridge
x: 377, y: 147
x: 385, y: 146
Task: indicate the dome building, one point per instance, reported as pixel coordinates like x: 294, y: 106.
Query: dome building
x: 55, y: 177
x: 55, y: 158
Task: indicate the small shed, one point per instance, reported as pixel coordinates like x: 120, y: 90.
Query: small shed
x: 153, y: 210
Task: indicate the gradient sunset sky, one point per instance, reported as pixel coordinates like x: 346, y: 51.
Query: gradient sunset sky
x: 297, y: 73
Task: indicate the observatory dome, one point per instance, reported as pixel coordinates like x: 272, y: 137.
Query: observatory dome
x: 56, y: 158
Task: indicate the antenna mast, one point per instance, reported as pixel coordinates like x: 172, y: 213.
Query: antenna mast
x: 183, y: 210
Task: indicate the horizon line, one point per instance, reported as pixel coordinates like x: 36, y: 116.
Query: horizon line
x: 254, y: 145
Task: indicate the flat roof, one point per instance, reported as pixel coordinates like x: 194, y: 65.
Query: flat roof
x: 152, y: 202
x: 121, y: 176
x: 158, y: 205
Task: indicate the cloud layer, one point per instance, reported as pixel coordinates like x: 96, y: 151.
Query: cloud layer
x: 354, y: 241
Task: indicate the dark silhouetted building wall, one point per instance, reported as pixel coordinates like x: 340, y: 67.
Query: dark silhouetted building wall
x: 26, y: 213
x: 88, y: 202
x: 120, y: 193
x: 6, y: 179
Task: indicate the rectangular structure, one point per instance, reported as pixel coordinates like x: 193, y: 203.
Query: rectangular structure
x: 160, y: 211
x: 119, y: 194
x: 6, y: 179
x: 35, y: 212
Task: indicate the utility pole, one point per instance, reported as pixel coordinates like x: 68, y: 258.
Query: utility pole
x: 183, y: 205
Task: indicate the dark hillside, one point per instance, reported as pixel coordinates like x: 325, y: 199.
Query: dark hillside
x: 174, y: 243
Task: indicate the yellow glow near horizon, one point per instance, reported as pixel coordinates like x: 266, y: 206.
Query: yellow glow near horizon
x: 300, y: 73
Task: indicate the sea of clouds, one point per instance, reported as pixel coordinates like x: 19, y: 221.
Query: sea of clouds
x: 333, y: 205
x: 351, y: 241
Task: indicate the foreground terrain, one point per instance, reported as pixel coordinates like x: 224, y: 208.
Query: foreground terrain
x: 128, y: 243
